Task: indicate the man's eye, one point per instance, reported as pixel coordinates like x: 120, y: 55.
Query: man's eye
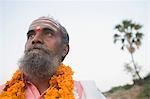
x: 48, y: 32
x: 30, y: 34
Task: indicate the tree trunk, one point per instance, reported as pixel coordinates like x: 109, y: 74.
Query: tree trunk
x: 135, y: 67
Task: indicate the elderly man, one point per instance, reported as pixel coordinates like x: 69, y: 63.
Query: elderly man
x: 41, y: 73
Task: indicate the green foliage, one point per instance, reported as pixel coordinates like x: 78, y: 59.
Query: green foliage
x: 125, y: 87
x: 147, y: 78
x: 145, y: 93
x: 129, y: 35
x: 114, y: 89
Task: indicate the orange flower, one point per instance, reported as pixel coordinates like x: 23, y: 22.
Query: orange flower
x: 61, y: 85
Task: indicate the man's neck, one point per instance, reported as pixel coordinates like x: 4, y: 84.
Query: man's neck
x: 41, y: 84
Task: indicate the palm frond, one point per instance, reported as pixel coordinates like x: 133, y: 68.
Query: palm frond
x: 126, y: 23
x: 137, y: 27
x: 117, y: 26
x: 139, y: 35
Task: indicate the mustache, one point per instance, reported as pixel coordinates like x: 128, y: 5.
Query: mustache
x: 39, y: 47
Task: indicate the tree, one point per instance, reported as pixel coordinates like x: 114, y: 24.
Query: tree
x: 129, y: 69
x: 130, y: 36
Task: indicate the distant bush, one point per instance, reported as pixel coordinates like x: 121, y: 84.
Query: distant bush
x: 114, y: 89
x: 145, y: 93
x: 125, y: 87
x: 147, y: 78
x: 138, y: 82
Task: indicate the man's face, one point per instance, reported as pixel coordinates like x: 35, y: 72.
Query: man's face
x: 43, y: 50
x: 46, y: 34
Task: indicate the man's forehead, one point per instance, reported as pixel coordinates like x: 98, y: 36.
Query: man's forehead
x: 41, y: 26
x: 44, y: 23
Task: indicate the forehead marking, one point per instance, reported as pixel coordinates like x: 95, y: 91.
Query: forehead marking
x: 38, y: 29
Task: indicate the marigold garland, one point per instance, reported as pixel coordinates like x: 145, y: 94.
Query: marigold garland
x: 61, y: 85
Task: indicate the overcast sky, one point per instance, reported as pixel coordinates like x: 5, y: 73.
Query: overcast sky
x: 90, y: 24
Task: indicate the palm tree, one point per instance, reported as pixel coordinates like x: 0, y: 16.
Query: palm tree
x: 130, y: 37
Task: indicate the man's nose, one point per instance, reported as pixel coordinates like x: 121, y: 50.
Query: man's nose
x: 37, y: 39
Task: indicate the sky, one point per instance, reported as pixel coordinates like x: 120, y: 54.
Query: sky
x: 90, y: 24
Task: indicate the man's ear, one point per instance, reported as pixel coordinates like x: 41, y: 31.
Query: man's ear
x: 65, y: 51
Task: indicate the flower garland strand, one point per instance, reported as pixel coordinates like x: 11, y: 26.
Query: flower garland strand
x: 61, y: 85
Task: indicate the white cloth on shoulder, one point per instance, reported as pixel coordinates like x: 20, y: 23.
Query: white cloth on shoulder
x: 91, y: 91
